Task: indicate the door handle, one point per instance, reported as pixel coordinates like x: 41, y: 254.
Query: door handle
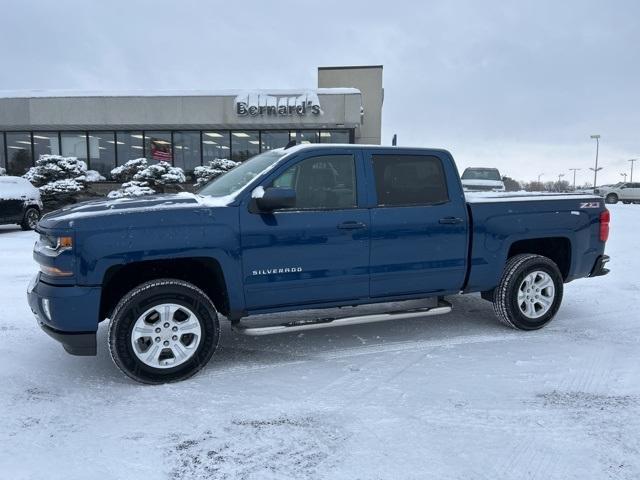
x: 450, y: 220
x: 351, y: 225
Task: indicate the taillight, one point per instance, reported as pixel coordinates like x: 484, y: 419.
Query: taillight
x: 605, y: 217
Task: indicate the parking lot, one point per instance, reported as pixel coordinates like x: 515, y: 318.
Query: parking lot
x: 450, y: 397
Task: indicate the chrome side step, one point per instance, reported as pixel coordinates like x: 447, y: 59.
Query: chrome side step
x: 442, y: 308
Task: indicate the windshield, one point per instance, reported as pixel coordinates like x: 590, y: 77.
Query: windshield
x: 481, y: 174
x: 237, y: 178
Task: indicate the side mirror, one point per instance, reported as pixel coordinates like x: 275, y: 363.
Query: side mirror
x: 274, y: 198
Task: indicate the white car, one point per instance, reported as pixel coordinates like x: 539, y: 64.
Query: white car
x: 625, y: 192
x: 602, y: 190
x: 19, y: 202
x: 482, y: 180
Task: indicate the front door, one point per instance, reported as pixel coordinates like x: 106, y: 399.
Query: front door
x: 418, y: 233
x: 317, y: 252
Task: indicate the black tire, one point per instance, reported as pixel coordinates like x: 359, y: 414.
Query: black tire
x: 505, y: 301
x: 611, y: 198
x: 626, y: 202
x: 146, y: 296
x: 30, y: 218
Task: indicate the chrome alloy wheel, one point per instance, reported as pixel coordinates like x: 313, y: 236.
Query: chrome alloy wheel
x: 536, y: 294
x: 166, y: 335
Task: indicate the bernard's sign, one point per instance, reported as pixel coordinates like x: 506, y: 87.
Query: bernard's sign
x: 262, y: 104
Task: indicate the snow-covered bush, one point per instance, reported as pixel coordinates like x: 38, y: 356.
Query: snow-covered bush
x: 67, y: 185
x: 91, y: 176
x: 2, y: 171
x: 126, y: 172
x: 160, y: 174
x: 215, y: 168
x: 51, y: 168
x: 156, y: 175
x: 140, y: 178
x: 132, y: 189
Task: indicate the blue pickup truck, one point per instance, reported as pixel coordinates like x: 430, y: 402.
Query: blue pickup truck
x: 305, y: 227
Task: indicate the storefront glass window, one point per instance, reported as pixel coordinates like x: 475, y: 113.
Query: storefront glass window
x: 334, y: 136
x: 186, y: 147
x: 215, y: 145
x: 45, y: 143
x: 158, y: 147
x: 304, y: 136
x: 244, y: 144
x: 129, y: 146
x: 18, y: 153
x: 274, y: 139
x: 3, y: 162
x: 74, y: 144
x: 102, y: 152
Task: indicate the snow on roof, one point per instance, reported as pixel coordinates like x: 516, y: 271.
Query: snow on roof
x: 169, y: 93
x: 17, y: 188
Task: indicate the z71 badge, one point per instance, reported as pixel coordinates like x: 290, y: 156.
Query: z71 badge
x: 590, y: 205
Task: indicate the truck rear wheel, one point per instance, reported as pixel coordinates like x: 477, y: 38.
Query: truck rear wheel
x: 163, y: 331
x: 529, y: 293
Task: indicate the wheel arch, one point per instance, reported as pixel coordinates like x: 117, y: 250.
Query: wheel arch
x: 557, y: 249
x: 204, y: 272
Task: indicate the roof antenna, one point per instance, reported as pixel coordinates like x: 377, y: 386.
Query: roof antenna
x: 292, y: 143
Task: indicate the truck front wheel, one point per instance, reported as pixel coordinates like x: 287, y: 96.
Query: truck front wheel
x: 163, y: 331
x: 529, y: 293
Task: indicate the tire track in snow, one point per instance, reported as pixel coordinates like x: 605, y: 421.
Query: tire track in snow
x: 413, y: 345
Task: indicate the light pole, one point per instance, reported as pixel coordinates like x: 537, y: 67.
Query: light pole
x: 560, y: 175
x: 539, y: 184
x: 633, y: 160
x: 595, y: 170
x: 625, y: 177
x: 574, y: 170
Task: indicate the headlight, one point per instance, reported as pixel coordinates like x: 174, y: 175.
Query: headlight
x: 53, y: 246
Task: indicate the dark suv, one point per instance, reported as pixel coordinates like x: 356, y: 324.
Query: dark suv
x: 19, y: 202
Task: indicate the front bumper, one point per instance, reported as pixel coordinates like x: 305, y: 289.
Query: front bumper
x: 598, y: 268
x: 71, y: 317
x: 75, y: 343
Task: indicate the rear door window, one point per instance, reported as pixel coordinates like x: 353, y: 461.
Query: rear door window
x: 405, y: 180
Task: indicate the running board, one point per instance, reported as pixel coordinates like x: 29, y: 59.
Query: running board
x: 442, y: 308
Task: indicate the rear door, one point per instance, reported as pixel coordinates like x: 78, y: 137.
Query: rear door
x: 419, y: 227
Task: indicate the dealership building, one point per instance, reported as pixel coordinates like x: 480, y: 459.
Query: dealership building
x: 189, y: 128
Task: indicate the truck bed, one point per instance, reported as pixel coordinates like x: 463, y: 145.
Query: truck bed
x: 503, y: 221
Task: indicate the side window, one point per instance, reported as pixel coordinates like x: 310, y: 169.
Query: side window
x: 403, y: 180
x: 327, y: 182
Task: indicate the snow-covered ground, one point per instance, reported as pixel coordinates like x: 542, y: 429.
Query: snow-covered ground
x: 450, y: 397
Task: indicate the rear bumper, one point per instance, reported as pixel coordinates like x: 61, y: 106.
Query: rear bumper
x: 599, y: 267
x: 67, y: 314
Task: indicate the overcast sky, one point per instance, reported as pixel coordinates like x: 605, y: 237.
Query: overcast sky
x: 519, y: 85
